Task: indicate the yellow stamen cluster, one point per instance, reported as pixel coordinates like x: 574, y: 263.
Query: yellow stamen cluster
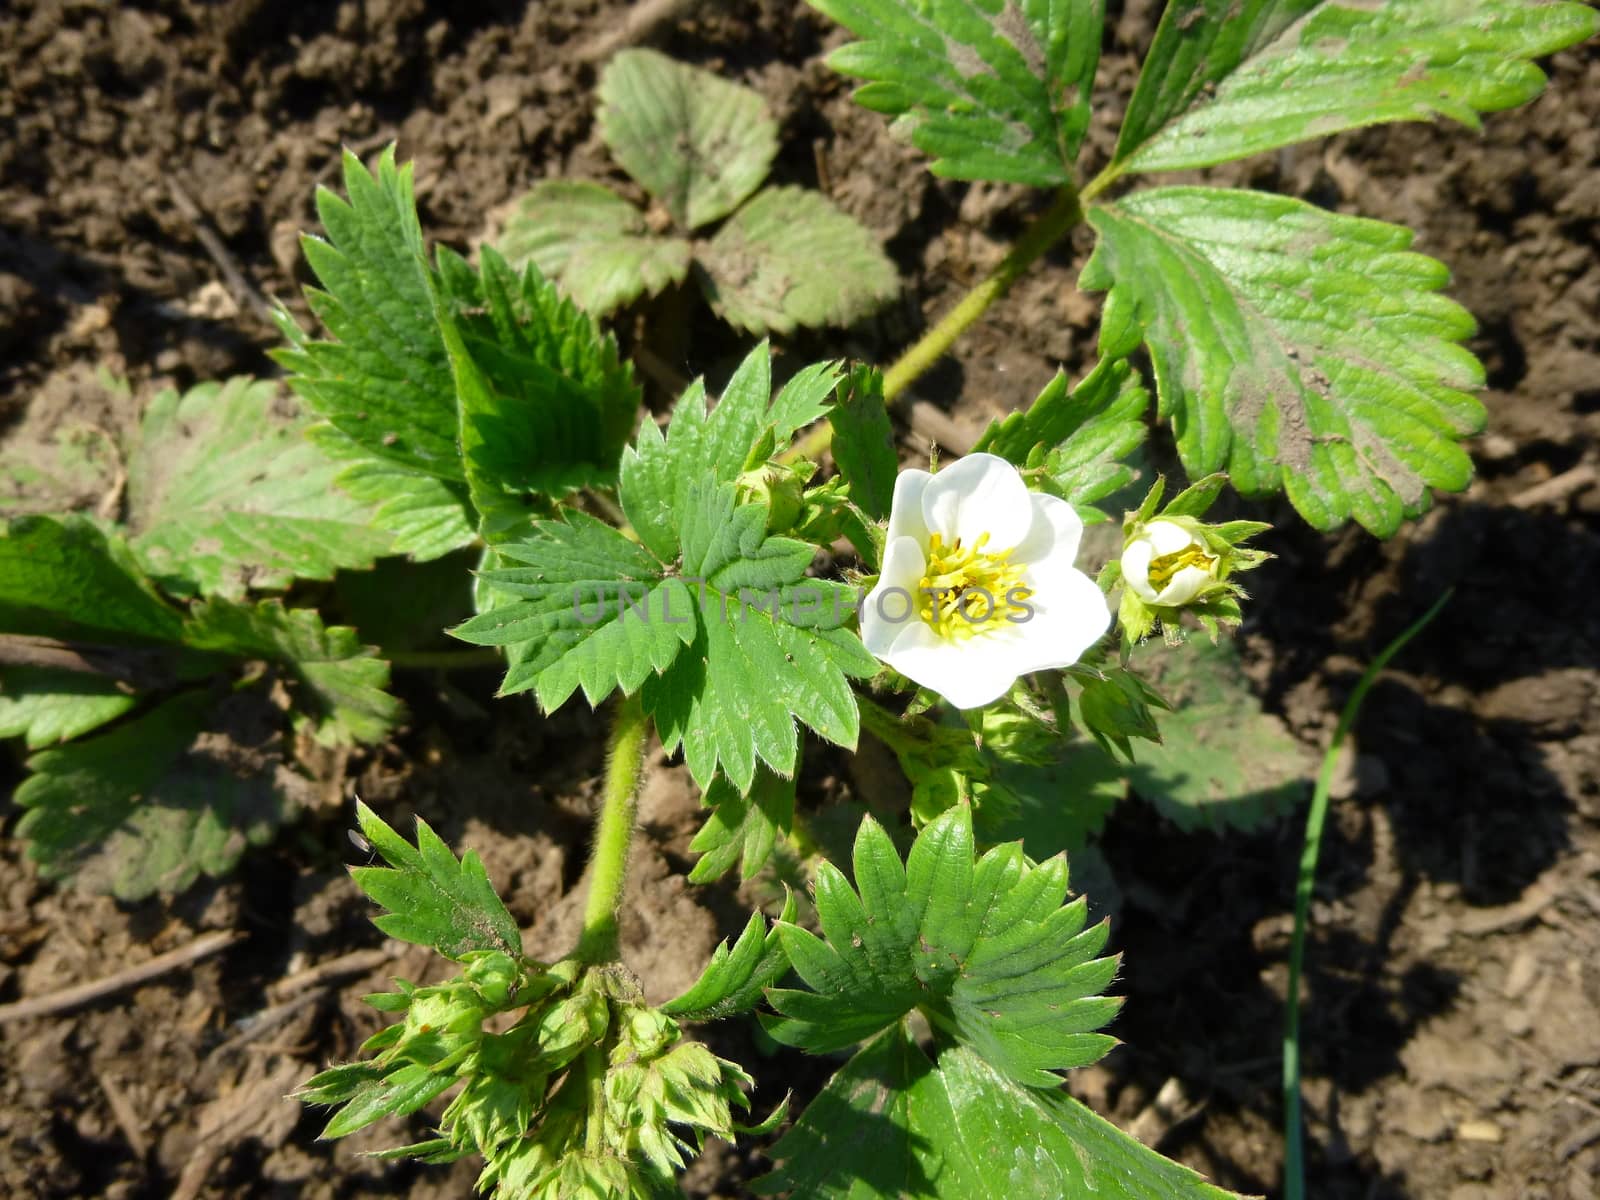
x: 1162, y: 569
x: 966, y: 589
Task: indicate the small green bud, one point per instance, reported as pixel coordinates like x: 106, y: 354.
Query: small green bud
x: 780, y: 488
x: 494, y: 974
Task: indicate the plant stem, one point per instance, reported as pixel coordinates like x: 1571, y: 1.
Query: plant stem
x: 1294, y: 1181
x: 608, y: 866
x: 442, y: 660
x: 1064, y: 215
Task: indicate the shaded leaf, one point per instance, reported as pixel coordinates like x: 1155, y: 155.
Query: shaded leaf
x: 1302, y: 350
x: 1222, y: 763
x: 424, y: 516
x: 694, y: 141
x: 991, y: 89
x: 789, y: 258
x: 163, y: 798
x: 338, y: 685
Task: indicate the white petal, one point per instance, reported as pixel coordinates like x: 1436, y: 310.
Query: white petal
x: 1070, y: 615
x: 1168, y: 537
x: 980, y: 494
x: 968, y: 674
x: 1056, y: 532
x: 1184, y: 586
x: 1136, y: 559
x: 905, y: 510
x: 892, y: 603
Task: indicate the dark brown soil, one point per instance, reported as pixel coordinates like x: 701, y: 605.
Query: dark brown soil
x: 1453, y: 999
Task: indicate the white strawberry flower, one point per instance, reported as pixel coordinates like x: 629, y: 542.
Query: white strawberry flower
x: 1167, y: 564
x: 978, y: 585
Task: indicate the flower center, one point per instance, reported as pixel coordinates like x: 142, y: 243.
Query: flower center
x: 1164, y: 568
x: 966, y: 589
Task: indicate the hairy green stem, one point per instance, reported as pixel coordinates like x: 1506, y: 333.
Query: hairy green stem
x: 608, y: 866
x: 1063, y: 216
x: 1294, y: 1172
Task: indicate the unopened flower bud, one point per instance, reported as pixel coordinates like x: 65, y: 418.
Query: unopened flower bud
x: 1168, y: 565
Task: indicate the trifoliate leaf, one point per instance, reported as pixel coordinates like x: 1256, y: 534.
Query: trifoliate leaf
x: 1302, y: 350
x: 433, y: 898
x: 166, y: 796
x: 1224, y: 80
x: 694, y: 141
x: 742, y: 830
x: 586, y: 608
x: 593, y: 243
x: 424, y: 516
x: 735, y: 980
x: 1079, y: 436
x: 546, y: 401
x: 790, y: 258
x: 863, y: 443
x: 891, y: 1124
x: 770, y: 647
x: 991, y: 90
x: 986, y: 950
x: 43, y: 705
x: 1222, y: 763
x: 65, y: 577
x: 337, y: 684
x: 383, y: 380
x: 226, y: 493
x: 657, y: 473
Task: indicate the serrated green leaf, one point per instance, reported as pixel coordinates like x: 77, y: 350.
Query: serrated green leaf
x: 585, y: 608
x: 546, y: 402
x: 433, y: 899
x: 694, y: 141
x: 735, y: 980
x: 66, y: 577
x: 770, y: 647
x: 742, y: 830
x: 156, y: 802
x: 1222, y: 763
x: 337, y: 684
x: 225, y: 493
x: 402, y: 1089
x: 383, y: 380
x: 791, y: 258
x: 985, y: 949
x: 1079, y: 437
x: 891, y: 1124
x: 44, y: 705
x: 1303, y: 350
x: 863, y: 443
x: 992, y: 89
x: 658, y: 472
x: 1225, y: 79
x: 424, y: 516
x: 593, y: 243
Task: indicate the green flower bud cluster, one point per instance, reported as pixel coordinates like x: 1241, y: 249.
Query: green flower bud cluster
x: 1172, y: 561
x: 589, y: 1093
